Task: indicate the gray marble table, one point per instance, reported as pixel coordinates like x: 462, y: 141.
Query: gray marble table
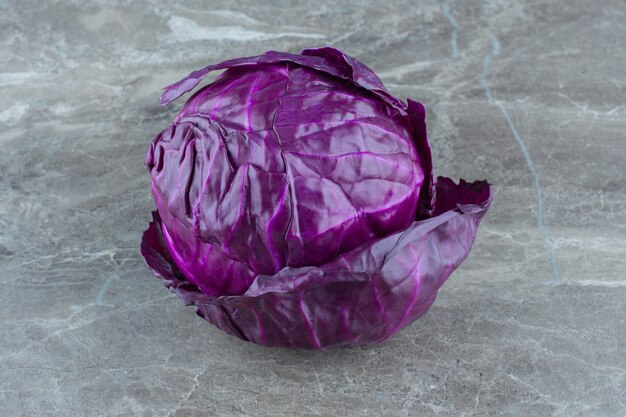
x: 529, y: 94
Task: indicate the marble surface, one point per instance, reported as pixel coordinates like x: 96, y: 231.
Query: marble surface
x: 529, y: 94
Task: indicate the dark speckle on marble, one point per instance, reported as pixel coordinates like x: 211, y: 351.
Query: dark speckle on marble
x: 529, y: 95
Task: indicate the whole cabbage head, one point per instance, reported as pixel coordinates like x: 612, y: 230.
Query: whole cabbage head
x: 296, y: 204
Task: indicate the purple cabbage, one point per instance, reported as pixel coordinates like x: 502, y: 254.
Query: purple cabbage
x: 296, y: 204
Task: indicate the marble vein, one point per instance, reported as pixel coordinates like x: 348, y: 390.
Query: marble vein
x: 457, y: 28
x: 549, y: 240
x: 184, y: 30
x: 103, y: 290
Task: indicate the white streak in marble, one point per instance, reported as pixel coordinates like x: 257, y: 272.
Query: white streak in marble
x: 185, y: 30
x: 599, y: 283
x: 614, y: 110
x: 348, y: 34
x: 237, y: 16
x: 14, y: 114
x: 402, y: 70
x: 17, y: 78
